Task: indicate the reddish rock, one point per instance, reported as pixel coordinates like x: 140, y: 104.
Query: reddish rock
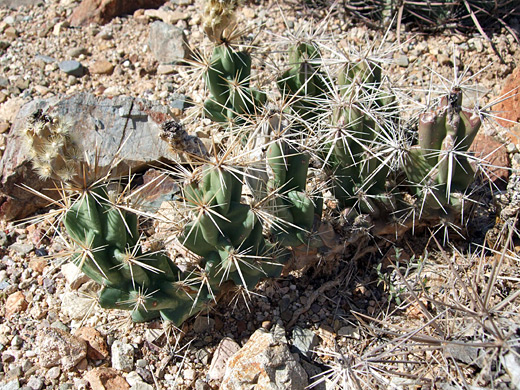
x: 38, y: 265
x: 102, y: 11
x: 264, y: 362
x: 495, y: 159
x: 103, y: 378
x: 96, y: 346
x: 101, y: 67
x: 509, y: 109
x: 15, y: 303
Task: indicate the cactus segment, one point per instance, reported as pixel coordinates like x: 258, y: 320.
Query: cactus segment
x: 227, y: 79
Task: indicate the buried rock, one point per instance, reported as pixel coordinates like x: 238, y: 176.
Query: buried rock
x: 121, y: 130
x: 264, y: 362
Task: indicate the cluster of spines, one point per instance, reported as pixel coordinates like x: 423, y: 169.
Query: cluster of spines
x: 53, y: 153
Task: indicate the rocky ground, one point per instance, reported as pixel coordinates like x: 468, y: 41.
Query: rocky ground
x: 364, y: 321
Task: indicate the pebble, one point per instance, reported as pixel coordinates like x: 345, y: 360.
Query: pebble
x: 72, y: 67
x: 53, y: 373
x: 141, y: 386
x: 101, y: 67
x: 203, y: 324
x: 35, y: 383
x: 122, y: 356
x: 13, y: 384
x: 77, y: 51
x: 304, y: 340
x: 22, y: 248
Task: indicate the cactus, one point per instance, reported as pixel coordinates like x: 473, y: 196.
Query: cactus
x: 147, y: 283
x: 227, y: 79
x: 303, y: 85
x: 438, y: 165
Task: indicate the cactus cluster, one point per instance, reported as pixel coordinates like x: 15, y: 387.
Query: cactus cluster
x: 337, y: 130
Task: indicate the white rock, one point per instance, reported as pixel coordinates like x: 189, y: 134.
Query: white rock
x: 75, y: 306
x: 122, y: 356
x: 73, y: 275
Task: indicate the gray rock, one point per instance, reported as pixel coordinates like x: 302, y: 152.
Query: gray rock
x: 466, y: 354
x: 77, y: 51
x: 122, y: 356
x: 225, y: 349
x: 264, y: 362
x: 45, y: 59
x: 18, y: 3
x: 121, y: 125
x: 58, y: 347
x: 22, y: 248
x: 313, y: 373
x: 402, y: 60
x: 304, y: 340
x: 167, y: 43
x: 511, y: 363
x: 72, y: 67
x: 203, y: 324
x: 35, y: 383
x: 11, y: 385
x: 53, y: 373
x: 141, y: 386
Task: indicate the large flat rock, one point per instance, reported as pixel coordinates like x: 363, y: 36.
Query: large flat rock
x: 122, y: 126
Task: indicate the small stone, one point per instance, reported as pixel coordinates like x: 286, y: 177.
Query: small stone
x: 141, y: 363
x: 225, y: 349
x: 348, y: 331
x: 101, y: 67
x: 249, y: 13
x: 264, y: 362
x: 203, y: 324
x: 77, y: 51
x: 141, y: 386
x: 122, y: 356
x: 466, y: 354
x: 201, y: 385
x: 11, y: 32
x: 103, y: 378
x: 72, y: 67
x: 4, y: 127
x: 53, y: 373
x: 74, y: 277
x: 304, y: 340
x: 21, y: 83
x: 167, y: 43
x: 189, y: 374
x: 60, y: 347
x: 105, y: 35
x: 96, y: 346
x: 60, y: 325
x: 42, y: 90
x: 38, y: 265
x: 13, y: 384
x: 35, y: 383
x: 22, y: 248
x: 166, y: 69
x: 15, y: 303
x: 145, y: 374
